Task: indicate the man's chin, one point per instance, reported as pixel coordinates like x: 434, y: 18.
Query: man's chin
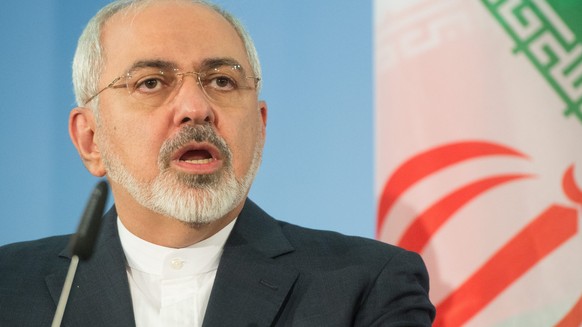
x: 198, y: 181
x: 195, y: 224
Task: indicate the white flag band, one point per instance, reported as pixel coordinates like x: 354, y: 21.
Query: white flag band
x: 478, y: 158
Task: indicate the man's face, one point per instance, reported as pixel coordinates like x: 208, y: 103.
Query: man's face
x: 190, y: 158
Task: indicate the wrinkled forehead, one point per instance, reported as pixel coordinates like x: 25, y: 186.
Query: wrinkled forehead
x: 177, y: 31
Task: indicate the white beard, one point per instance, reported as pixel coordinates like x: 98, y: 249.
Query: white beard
x: 192, y: 199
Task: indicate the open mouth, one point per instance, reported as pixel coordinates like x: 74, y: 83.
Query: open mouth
x: 197, y: 157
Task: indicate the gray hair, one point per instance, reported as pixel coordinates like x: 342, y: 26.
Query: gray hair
x: 89, y: 57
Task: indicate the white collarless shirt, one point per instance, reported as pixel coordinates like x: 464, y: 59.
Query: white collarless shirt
x: 171, y: 287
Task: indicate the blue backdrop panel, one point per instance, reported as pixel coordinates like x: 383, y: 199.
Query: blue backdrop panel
x: 317, y: 71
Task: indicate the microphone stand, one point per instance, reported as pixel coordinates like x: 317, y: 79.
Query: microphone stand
x: 82, y: 242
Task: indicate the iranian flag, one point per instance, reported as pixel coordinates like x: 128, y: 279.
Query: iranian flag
x: 479, y: 154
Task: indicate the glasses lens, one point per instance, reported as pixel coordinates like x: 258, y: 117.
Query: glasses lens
x: 151, y: 86
x: 226, y: 85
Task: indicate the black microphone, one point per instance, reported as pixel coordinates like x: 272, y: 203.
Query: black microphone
x: 82, y: 242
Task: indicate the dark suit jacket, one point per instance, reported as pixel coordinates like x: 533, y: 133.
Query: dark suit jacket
x: 271, y: 274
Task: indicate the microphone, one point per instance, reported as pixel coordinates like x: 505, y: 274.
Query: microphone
x: 82, y: 242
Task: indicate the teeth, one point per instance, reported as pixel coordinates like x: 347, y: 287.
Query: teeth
x: 199, y: 161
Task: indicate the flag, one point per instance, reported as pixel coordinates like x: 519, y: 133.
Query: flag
x: 478, y: 126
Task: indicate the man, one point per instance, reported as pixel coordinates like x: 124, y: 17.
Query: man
x: 169, y: 113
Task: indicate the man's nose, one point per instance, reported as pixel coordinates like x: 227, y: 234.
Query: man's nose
x: 190, y: 103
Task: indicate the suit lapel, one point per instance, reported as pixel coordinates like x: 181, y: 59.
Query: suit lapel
x: 250, y: 287
x: 100, y: 294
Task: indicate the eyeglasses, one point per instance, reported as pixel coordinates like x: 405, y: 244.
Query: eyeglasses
x: 225, y: 85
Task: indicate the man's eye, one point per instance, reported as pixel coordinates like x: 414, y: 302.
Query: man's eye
x: 220, y: 83
x: 149, y: 85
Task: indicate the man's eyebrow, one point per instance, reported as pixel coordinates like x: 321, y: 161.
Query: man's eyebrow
x: 208, y: 63
x: 156, y: 63
x: 219, y: 62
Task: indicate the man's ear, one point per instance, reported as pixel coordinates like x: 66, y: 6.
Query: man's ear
x: 82, y: 131
x: 263, y: 113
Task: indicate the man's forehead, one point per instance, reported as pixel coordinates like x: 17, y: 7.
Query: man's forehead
x: 161, y: 7
x: 156, y: 14
x: 177, y: 31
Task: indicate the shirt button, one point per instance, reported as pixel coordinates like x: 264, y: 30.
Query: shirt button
x: 177, y: 263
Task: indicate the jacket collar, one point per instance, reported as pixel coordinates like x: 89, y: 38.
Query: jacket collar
x: 250, y: 286
x: 100, y: 293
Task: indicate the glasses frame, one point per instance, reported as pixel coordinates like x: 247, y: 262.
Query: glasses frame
x: 178, y: 73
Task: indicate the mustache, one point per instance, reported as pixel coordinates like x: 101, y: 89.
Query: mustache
x: 189, y: 133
